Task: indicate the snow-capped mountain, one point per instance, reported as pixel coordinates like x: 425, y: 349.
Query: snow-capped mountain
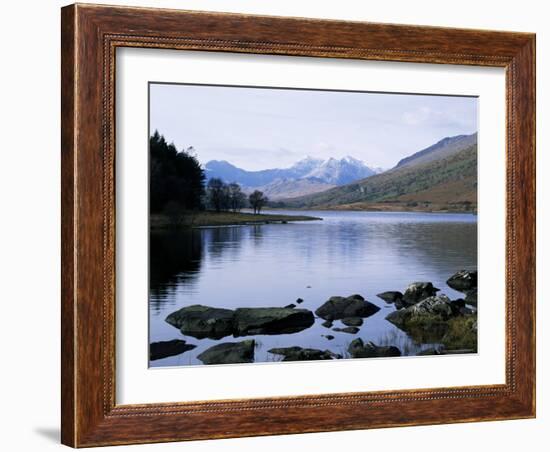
x: 305, y: 176
x: 340, y: 172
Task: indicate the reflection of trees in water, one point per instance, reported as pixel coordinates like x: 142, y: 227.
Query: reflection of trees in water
x: 174, y: 257
x: 225, y: 243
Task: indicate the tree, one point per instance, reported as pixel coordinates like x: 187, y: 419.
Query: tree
x: 237, y: 199
x: 175, y: 176
x: 257, y: 200
x: 215, y: 194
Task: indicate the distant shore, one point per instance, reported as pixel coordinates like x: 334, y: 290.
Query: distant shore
x: 390, y: 207
x: 210, y: 218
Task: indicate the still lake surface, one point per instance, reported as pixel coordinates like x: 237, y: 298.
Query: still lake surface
x: 274, y: 264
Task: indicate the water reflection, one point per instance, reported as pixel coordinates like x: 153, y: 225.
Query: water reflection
x: 273, y: 265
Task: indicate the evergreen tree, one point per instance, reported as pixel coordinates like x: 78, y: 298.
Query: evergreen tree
x: 176, y: 177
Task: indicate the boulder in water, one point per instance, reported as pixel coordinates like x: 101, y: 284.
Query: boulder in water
x: 229, y: 353
x: 344, y: 307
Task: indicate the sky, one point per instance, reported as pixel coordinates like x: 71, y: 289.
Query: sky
x: 260, y: 128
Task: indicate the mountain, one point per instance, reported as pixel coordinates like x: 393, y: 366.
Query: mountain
x: 340, y: 172
x: 440, y: 177
x: 445, y: 147
x: 307, y: 176
x: 292, y: 188
x: 230, y: 173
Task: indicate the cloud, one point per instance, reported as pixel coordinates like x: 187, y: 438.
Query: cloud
x: 427, y: 116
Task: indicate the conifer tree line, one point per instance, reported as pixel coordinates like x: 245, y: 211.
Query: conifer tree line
x: 177, y: 182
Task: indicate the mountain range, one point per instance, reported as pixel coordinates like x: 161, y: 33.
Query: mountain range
x: 307, y: 176
x: 440, y: 177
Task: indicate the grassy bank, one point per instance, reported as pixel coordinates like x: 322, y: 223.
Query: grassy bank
x: 210, y: 218
x: 410, y: 206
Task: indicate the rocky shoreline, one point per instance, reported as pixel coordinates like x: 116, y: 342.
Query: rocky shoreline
x: 420, y: 312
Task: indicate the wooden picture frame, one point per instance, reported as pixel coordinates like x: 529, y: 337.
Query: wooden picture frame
x: 90, y: 36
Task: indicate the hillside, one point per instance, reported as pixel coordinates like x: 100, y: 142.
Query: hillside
x: 443, y: 148
x: 442, y: 177
x: 292, y: 188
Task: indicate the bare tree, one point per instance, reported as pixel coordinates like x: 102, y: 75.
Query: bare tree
x: 215, y: 193
x: 257, y: 200
x: 237, y: 199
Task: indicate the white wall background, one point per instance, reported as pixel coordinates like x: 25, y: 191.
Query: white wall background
x: 29, y: 226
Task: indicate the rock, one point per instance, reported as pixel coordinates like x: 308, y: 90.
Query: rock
x: 229, y: 353
x: 329, y: 337
x: 457, y: 305
x: 347, y: 329
x: 352, y: 321
x: 164, y: 349
x: 399, y: 304
x: 418, y: 291
x: 443, y: 351
x: 358, y: 349
x: 327, y: 323
x: 458, y: 352
x: 290, y: 306
x: 249, y: 321
x: 471, y: 297
x: 429, y: 352
x: 463, y: 280
x: 425, y: 321
x: 353, y: 306
x: 299, y: 300
x: 390, y: 296
x: 203, y: 321
x: 302, y: 354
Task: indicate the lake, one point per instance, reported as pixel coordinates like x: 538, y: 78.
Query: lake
x: 274, y: 264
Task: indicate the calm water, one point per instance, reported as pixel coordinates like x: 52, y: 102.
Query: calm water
x: 273, y: 265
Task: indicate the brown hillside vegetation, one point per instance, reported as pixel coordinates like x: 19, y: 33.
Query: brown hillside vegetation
x: 448, y: 183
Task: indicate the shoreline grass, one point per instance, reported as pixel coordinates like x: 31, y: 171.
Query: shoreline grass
x: 207, y: 218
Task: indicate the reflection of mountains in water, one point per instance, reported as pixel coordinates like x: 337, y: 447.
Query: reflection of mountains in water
x: 177, y: 258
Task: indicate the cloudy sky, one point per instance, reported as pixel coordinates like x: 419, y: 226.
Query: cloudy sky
x: 258, y: 128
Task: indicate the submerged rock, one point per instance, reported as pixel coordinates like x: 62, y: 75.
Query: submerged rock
x: 418, y: 291
x: 353, y: 306
x: 302, y: 354
x: 248, y: 321
x: 329, y: 337
x: 229, y: 353
x: 164, y: 349
x: 391, y: 296
x: 352, y: 321
x: 347, y: 329
x: 327, y: 323
x: 203, y: 321
x: 463, y: 280
x: 299, y: 300
x: 358, y: 349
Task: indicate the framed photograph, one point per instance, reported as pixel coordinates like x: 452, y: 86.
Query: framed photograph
x: 281, y: 225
